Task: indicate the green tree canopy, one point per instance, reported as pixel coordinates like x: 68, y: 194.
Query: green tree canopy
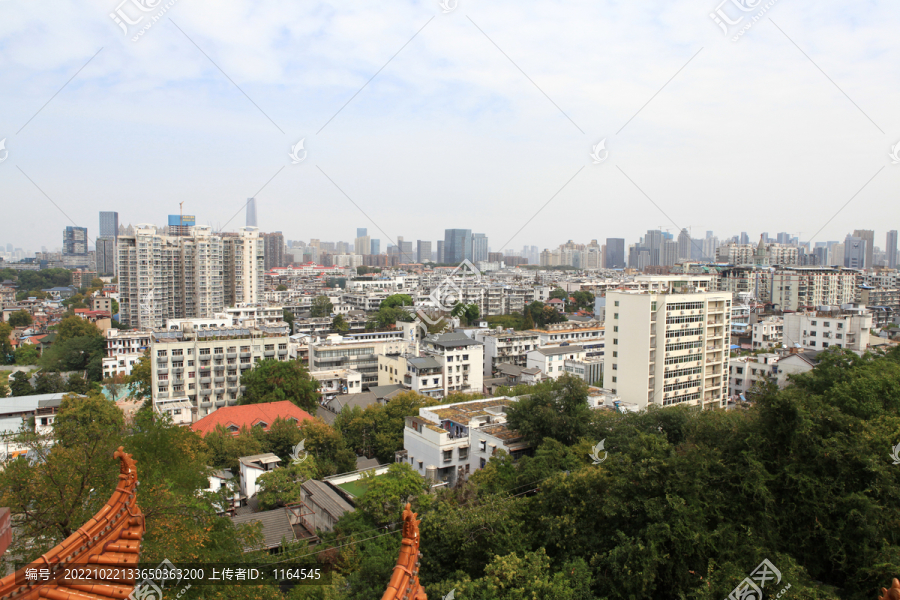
x: 556, y: 409
x: 395, y: 300
x: 20, y: 385
x: 20, y: 318
x: 140, y: 381
x: 283, y: 485
x: 74, y: 326
x: 26, y: 354
x: 387, y: 494
x: 274, y: 380
x: 339, y: 324
x: 321, y: 307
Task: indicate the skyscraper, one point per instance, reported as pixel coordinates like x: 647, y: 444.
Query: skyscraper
x: 375, y: 246
x: 615, y: 253
x: 362, y: 245
x: 440, y: 252
x: 890, y: 249
x: 274, y: 250
x: 684, y: 245
x: 361, y: 232
x: 868, y: 236
x: 75, y: 241
x: 479, y: 247
x: 854, y: 252
x: 653, y: 242
x: 457, y: 245
x: 405, y: 251
x: 423, y: 251
x: 109, y: 224
x: 251, y: 212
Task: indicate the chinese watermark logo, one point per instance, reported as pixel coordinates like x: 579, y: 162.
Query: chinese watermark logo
x: 751, y: 588
x: 298, y: 449
x: 295, y: 153
x: 148, y: 588
x: 595, y: 455
x: 724, y: 21
x: 599, y: 152
x: 894, y: 154
x: 896, y: 454
x: 5, y: 152
x: 451, y: 595
x: 448, y: 6
x: 448, y: 294
x: 123, y: 20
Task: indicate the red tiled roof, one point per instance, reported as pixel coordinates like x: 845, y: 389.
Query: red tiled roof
x: 249, y: 415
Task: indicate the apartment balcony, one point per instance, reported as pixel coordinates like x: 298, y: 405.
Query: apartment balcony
x: 231, y: 355
x: 245, y: 366
x: 282, y: 352
x: 232, y: 378
x: 245, y: 355
x: 178, y: 370
x: 219, y: 380
x: 178, y: 381
x: 243, y: 388
x: 205, y: 380
x: 162, y: 395
x: 205, y: 392
x: 162, y: 371
x: 269, y: 353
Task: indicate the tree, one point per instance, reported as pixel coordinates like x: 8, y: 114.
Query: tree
x: 529, y: 320
x: 20, y: 385
x: 20, y: 318
x: 4, y: 390
x: 49, y: 383
x: 67, y: 482
x: 26, y: 354
x: 74, y: 326
x: 283, y: 485
x: 395, y: 300
x: 114, y: 306
x: 559, y: 294
x: 96, y: 282
x: 556, y: 409
x: 140, y: 382
x: 321, y: 307
x: 81, y: 353
x: 78, y: 384
x: 281, y: 439
x: 273, y: 380
x: 6, y: 350
x: 328, y: 447
x: 115, y: 385
x: 225, y: 448
x: 75, y: 301
x: 377, y: 431
x: 339, y: 324
x: 281, y: 288
x: 387, y: 494
x: 288, y: 318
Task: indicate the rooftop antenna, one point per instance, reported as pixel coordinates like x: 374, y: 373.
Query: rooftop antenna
x: 181, y: 213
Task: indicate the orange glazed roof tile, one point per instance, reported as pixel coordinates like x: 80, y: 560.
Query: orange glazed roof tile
x: 404, y: 584
x: 113, y: 536
x: 250, y: 415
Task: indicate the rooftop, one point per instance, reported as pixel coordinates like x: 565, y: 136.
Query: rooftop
x: 463, y: 412
x: 249, y: 415
x: 553, y: 350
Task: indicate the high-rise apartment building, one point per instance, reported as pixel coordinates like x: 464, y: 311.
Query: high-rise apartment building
x: 457, y: 245
x: 375, y: 247
x: 405, y: 251
x: 106, y: 256
x: 168, y: 277
x: 868, y: 236
x: 890, y: 249
x: 75, y: 240
x: 361, y: 232
x: 274, y: 250
x: 653, y: 243
x: 669, y: 253
x: 668, y: 345
x: 423, y: 251
x: 479, y: 247
x: 362, y: 245
x: 615, y: 253
x: 439, y: 258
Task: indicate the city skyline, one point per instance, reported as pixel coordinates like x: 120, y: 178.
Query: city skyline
x: 685, y: 114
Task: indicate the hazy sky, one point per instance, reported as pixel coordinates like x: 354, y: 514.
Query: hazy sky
x: 475, y: 118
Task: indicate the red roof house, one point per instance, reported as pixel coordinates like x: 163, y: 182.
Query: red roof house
x: 233, y: 418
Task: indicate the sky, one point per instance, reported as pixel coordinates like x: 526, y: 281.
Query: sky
x: 418, y: 116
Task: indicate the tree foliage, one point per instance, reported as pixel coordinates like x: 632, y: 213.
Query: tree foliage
x: 275, y: 380
x: 282, y: 486
x: 20, y: 318
x: 19, y: 384
x: 377, y: 431
x: 321, y: 307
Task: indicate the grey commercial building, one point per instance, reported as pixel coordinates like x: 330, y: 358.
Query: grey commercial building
x: 457, y: 245
x: 615, y: 253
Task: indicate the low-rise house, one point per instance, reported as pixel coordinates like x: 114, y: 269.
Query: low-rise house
x: 552, y: 360
x: 252, y: 467
x: 326, y: 504
x: 767, y: 333
x: 448, y: 442
x: 746, y: 371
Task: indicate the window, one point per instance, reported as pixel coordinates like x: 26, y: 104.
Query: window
x: 482, y: 445
x: 615, y: 329
x: 614, y: 378
x: 465, y: 357
x: 812, y: 343
x: 616, y: 303
x: 615, y: 315
x: 161, y: 352
x: 615, y: 340
x: 615, y: 354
